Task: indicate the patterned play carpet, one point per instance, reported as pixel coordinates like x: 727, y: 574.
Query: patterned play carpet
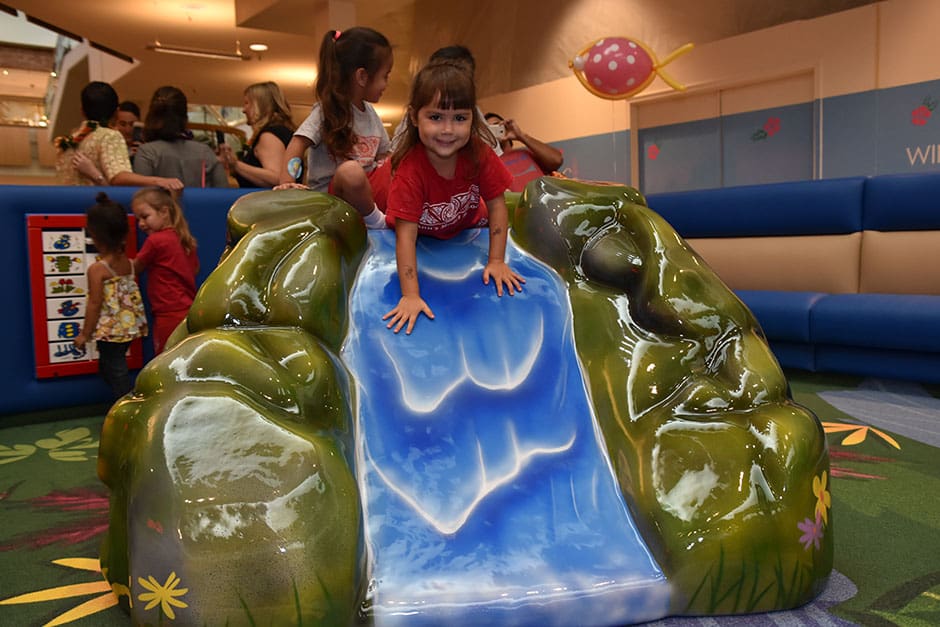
x: 884, y: 438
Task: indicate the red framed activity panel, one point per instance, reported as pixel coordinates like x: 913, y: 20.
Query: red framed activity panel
x: 57, y: 266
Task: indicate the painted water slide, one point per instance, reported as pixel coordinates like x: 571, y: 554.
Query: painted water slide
x: 614, y: 444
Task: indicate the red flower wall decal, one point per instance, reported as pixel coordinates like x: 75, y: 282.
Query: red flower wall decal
x: 921, y: 114
x: 771, y: 127
x: 652, y: 152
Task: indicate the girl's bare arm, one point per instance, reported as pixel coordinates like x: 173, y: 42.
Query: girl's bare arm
x: 411, y: 305
x: 96, y: 276
x: 295, y: 149
x: 496, y: 267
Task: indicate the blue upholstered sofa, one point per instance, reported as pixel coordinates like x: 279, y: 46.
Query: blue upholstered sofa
x: 842, y: 274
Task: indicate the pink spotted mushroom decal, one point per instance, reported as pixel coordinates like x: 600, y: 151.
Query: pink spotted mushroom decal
x: 619, y: 67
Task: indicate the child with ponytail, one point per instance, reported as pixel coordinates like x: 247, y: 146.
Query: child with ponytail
x: 344, y: 134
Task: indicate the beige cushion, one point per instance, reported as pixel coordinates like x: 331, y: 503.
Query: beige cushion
x: 812, y: 263
x: 900, y: 262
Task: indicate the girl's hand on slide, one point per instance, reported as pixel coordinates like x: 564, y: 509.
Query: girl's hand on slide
x: 406, y: 313
x: 502, y: 275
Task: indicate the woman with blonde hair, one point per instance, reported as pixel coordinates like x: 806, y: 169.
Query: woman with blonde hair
x: 268, y: 113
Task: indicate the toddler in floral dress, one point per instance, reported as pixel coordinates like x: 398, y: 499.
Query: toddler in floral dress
x: 114, y: 309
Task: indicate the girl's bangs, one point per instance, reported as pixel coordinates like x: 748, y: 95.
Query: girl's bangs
x: 448, y: 86
x: 456, y: 95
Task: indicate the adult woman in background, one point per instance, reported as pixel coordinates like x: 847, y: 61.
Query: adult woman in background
x: 96, y: 154
x: 168, y: 149
x: 268, y: 113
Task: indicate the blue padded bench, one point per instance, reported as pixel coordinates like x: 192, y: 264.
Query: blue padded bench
x: 842, y: 274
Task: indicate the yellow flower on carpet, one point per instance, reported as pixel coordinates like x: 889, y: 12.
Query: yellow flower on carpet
x: 69, y: 445
x: 98, y: 586
x: 164, y: 595
x: 823, y: 498
x: 859, y: 433
x: 15, y: 453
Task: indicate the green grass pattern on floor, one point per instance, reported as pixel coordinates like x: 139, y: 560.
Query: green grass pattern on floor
x: 885, y: 513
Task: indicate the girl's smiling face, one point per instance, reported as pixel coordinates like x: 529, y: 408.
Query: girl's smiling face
x: 150, y: 219
x: 443, y: 132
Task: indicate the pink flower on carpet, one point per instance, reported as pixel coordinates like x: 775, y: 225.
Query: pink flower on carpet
x: 652, y: 152
x: 93, y: 503
x: 836, y: 455
x: 812, y: 531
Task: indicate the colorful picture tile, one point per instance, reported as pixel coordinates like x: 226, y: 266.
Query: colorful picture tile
x: 63, y: 263
x: 60, y: 330
x: 63, y: 241
x: 66, y: 352
x: 66, y: 286
x: 70, y: 308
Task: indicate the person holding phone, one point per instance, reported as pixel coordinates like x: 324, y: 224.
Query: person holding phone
x: 534, y: 159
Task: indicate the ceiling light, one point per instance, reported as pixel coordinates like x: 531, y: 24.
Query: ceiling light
x: 156, y: 46
x: 258, y: 47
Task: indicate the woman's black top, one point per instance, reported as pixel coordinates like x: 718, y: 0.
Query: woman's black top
x: 281, y: 132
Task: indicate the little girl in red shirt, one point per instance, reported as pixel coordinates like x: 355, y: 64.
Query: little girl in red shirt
x: 442, y: 173
x: 169, y: 257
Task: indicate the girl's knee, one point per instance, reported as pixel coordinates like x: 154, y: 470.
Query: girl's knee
x: 349, y: 174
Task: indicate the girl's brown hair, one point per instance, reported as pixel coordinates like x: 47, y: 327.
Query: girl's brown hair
x: 159, y: 199
x: 447, y: 85
x: 270, y: 106
x: 341, y: 54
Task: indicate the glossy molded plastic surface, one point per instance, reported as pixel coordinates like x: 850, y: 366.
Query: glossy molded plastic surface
x: 612, y: 445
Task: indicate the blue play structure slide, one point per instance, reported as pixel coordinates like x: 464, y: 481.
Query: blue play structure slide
x: 488, y: 495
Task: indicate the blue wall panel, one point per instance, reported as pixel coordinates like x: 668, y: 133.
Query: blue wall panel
x: 679, y: 157
x: 767, y: 146
x: 908, y: 128
x: 849, y: 147
x: 886, y: 131
x: 604, y: 157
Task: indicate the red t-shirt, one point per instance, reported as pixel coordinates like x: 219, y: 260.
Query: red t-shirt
x: 522, y: 166
x: 444, y: 207
x: 171, y: 282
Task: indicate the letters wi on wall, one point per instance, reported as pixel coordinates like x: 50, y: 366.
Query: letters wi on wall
x: 60, y: 252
